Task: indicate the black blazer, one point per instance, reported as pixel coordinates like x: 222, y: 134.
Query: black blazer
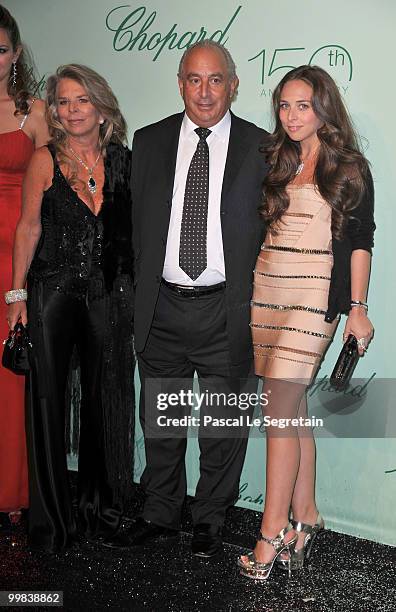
x: 359, y: 235
x: 154, y: 154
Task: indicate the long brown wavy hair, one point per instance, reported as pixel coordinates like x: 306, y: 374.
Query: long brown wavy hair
x: 341, y: 169
x: 25, y: 83
x: 114, y: 127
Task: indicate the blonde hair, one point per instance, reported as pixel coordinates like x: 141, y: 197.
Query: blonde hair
x: 102, y: 98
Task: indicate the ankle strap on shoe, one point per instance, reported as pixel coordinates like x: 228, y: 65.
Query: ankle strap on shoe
x: 279, y: 540
x: 304, y: 527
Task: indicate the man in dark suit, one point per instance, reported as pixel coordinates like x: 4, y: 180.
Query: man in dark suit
x: 196, y: 190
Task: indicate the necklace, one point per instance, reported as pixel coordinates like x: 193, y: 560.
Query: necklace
x: 300, y: 166
x: 91, y: 183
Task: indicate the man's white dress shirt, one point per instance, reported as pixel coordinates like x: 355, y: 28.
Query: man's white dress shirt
x: 218, y: 147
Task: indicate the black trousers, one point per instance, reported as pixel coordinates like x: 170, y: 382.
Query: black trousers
x: 189, y: 335
x: 57, y: 323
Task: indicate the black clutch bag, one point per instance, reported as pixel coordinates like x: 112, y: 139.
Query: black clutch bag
x: 16, y: 350
x: 345, y: 365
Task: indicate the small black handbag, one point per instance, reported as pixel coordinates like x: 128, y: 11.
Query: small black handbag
x: 16, y: 350
x: 346, y: 363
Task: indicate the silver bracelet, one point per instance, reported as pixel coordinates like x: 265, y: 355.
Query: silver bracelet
x: 359, y: 303
x: 15, y: 295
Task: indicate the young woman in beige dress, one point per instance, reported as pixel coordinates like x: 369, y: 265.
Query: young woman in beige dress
x: 313, y: 265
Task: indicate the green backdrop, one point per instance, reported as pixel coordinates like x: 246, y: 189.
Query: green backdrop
x: 137, y: 46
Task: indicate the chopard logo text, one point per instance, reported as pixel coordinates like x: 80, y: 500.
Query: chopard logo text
x: 136, y: 30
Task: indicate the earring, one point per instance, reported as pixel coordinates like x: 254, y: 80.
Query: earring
x: 101, y: 121
x: 14, y: 74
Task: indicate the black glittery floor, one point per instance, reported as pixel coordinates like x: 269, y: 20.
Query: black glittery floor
x: 345, y: 574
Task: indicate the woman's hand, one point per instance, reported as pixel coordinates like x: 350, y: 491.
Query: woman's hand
x: 359, y: 325
x: 16, y: 311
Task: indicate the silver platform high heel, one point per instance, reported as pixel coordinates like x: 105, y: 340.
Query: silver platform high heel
x: 251, y: 568
x: 298, y: 557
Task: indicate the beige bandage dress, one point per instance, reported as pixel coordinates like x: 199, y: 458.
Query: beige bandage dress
x: 291, y: 287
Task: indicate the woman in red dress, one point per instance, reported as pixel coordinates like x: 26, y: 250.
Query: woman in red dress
x: 22, y: 129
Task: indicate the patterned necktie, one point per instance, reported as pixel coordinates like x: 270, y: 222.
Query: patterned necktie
x: 193, y: 232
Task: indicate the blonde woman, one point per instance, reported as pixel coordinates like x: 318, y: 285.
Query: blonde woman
x: 72, y: 247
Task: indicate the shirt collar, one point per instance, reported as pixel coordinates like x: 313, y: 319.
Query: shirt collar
x: 220, y: 129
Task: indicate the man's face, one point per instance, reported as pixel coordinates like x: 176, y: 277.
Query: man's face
x: 205, y: 86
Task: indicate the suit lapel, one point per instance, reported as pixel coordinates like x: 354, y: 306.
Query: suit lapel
x: 238, y: 147
x: 169, y: 154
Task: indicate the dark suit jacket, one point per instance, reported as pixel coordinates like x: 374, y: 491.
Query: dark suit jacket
x: 154, y: 154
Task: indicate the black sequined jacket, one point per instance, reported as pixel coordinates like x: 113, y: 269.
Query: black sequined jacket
x: 116, y: 214
x: 74, y: 241
x: 90, y: 257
